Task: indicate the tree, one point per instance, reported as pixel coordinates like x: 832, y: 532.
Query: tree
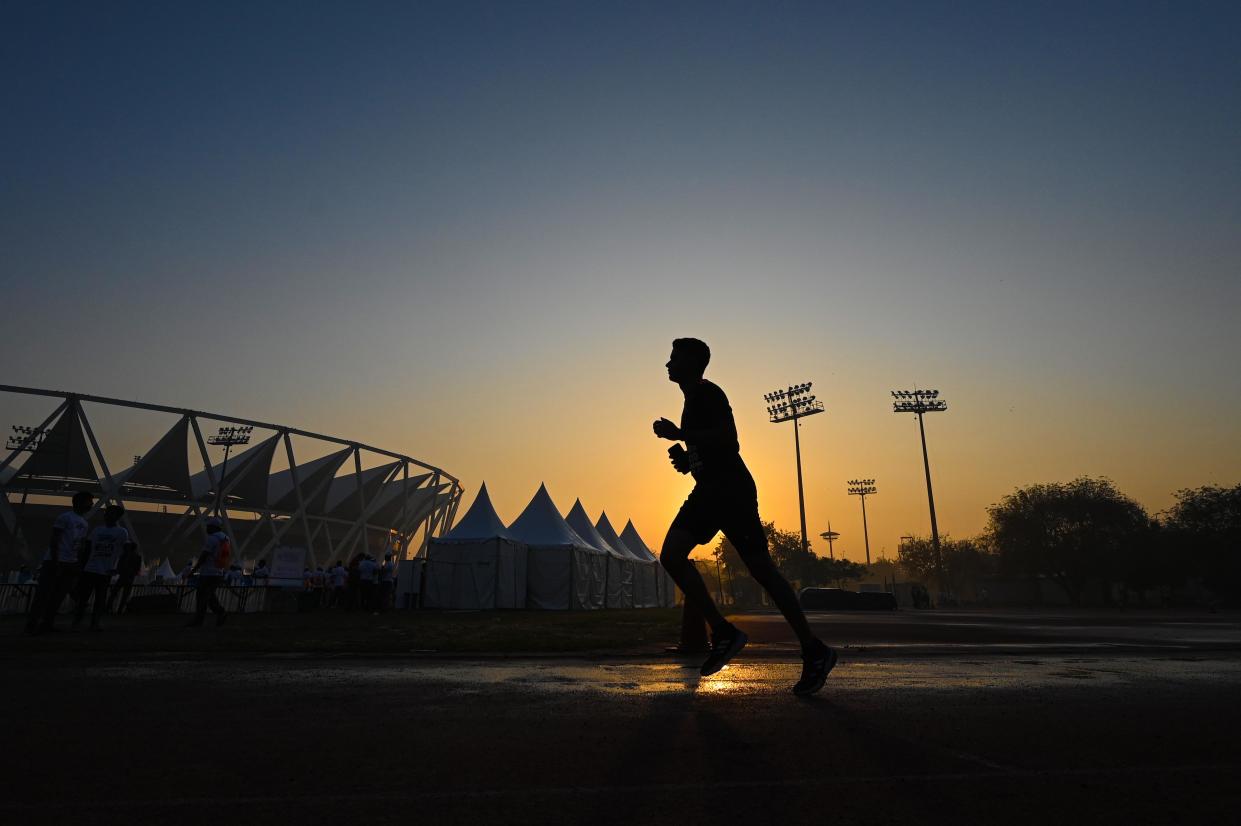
x: 1076, y: 533
x: 966, y: 561
x: 798, y: 565
x: 1204, y: 530
x: 836, y: 571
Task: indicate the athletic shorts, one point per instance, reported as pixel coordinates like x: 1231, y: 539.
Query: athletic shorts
x: 728, y: 506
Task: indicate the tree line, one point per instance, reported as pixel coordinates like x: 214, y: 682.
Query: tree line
x: 1088, y: 537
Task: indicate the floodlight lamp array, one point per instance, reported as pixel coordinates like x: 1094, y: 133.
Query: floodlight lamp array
x: 31, y: 437
x: 792, y: 403
x: 238, y: 435
x: 862, y: 487
x: 918, y: 401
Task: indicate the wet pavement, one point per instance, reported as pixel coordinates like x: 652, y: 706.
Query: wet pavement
x: 969, y: 736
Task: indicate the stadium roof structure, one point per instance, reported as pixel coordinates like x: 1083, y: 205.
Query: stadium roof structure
x: 331, y: 504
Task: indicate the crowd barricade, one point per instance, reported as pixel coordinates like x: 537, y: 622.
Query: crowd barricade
x: 15, y: 599
x: 242, y: 599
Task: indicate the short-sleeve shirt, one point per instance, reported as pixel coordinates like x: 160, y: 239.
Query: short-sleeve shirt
x: 106, y: 545
x: 388, y: 572
x: 215, y: 549
x: 707, y: 408
x: 73, y: 529
x: 366, y: 570
x: 339, y: 576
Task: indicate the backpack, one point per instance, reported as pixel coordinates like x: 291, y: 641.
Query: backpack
x: 223, y: 552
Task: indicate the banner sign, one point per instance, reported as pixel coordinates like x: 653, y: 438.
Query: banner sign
x: 287, y: 562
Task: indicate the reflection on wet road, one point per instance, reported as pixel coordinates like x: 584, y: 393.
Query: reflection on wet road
x: 741, y: 678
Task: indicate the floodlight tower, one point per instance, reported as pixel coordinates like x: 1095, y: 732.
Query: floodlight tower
x: 831, y: 536
x: 227, y: 436
x: 920, y: 402
x: 793, y: 404
x: 863, y: 488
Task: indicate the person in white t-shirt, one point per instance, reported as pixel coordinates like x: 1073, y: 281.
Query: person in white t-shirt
x: 61, y: 563
x: 367, y: 573
x: 103, y: 552
x: 210, y: 567
x: 319, y: 583
x: 387, y: 581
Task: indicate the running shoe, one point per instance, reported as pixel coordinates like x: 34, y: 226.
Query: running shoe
x: 723, y: 648
x: 814, y: 670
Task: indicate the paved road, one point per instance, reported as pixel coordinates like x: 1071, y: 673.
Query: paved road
x: 975, y: 736
x: 909, y: 632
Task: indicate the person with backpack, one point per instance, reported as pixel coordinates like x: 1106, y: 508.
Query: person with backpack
x: 212, y: 563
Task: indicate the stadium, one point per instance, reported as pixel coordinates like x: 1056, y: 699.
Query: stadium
x: 274, y: 485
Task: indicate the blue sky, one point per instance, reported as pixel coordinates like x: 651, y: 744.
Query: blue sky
x: 325, y: 214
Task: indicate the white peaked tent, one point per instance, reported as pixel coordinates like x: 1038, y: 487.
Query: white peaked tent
x: 562, y: 570
x: 620, y: 577
x: 478, y: 564
x: 666, y: 588
x: 164, y: 572
x: 646, y: 577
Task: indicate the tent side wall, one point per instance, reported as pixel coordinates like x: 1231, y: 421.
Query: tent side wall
x: 475, y: 575
x: 549, y: 578
x: 621, y: 586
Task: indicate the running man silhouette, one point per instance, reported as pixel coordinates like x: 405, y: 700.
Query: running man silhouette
x: 724, y: 499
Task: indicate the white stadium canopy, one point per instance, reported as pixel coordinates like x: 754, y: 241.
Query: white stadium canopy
x: 333, y: 503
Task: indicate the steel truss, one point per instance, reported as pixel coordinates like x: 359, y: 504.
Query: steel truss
x: 427, y: 507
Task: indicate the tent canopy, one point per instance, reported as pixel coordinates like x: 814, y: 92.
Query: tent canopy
x: 480, y: 522
x: 541, y: 524
x: 634, y: 542
x: 605, y: 529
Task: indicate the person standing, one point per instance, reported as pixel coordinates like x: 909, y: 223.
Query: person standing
x: 367, y: 573
x: 387, y: 581
x: 126, y: 571
x: 320, y: 585
x: 61, y: 564
x: 210, y: 567
x: 724, y: 499
x: 340, y: 577
x: 103, y: 553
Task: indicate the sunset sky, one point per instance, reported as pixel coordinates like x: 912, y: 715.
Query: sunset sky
x: 470, y: 232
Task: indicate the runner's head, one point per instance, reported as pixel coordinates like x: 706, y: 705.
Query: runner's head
x: 689, y: 360
x: 214, y: 523
x: 113, y: 514
x: 83, y: 501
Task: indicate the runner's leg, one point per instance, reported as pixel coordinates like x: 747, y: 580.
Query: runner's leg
x: 751, y: 544
x: 675, y: 558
